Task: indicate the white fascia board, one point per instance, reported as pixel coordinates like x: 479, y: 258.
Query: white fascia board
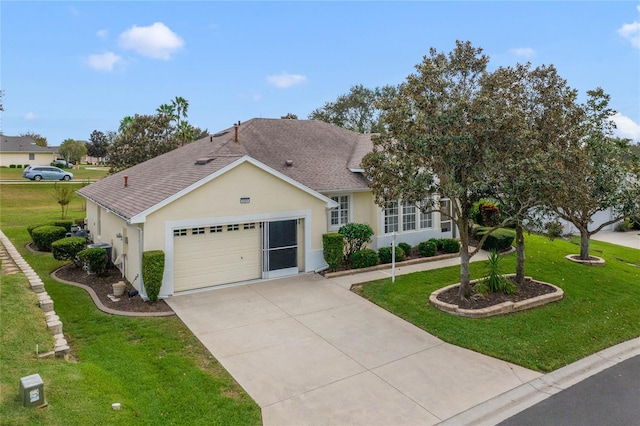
x: 142, y: 216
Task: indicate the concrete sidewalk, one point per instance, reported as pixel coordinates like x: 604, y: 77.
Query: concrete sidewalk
x: 627, y: 239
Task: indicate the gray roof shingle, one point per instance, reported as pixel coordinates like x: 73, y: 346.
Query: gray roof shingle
x: 22, y: 144
x: 314, y: 153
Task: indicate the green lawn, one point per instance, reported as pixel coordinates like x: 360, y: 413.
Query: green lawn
x: 78, y: 174
x: 155, y: 367
x: 601, y: 306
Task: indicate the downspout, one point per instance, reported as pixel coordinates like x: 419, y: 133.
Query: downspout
x: 142, y: 290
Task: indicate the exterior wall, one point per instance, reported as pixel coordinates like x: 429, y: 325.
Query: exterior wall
x: 218, y: 203
x: 40, y: 158
x: 366, y: 211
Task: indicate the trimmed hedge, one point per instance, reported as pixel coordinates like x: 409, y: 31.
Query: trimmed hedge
x: 364, y: 258
x: 333, y: 250
x: 406, y: 248
x: 427, y: 248
x: 152, y: 271
x: 68, y: 249
x: 385, y: 254
x: 95, y: 258
x: 499, y: 240
x: 44, y: 236
x: 66, y: 224
x: 450, y: 245
x: 356, y: 236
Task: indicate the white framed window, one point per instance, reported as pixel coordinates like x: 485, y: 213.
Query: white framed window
x: 426, y: 220
x: 32, y: 156
x: 391, y: 217
x: 445, y: 221
x: 340, y: 215
x: 408, y: 216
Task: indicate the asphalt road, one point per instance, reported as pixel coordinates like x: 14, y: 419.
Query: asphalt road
x: 611, y: 397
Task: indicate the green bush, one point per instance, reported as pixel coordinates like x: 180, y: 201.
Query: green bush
x: 450, y: 245
x: 427, y: 248
x: 66, y: 224
x: 333, y: 250
x: 385, y: 254
x: 406, y: 248
x: 438, y: 242
x: 623, y: 226
x: 12, y: 166
x: 356, y: 236
x: 364, y: 258
x: 554, y: 229
x: 68, y: 249
x: 494, y: 282
x: 44, y: 236
x: 152, y: 271
x: 501, y: 239
x: 95, y: 258
x: 635, y: 222
x: 18, y: 166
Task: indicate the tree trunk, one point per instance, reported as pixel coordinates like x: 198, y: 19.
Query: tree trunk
x: 465, y: 290
x: 584, y: 244
x: 520, y: 254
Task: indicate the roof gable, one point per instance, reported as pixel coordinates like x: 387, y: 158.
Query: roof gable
x: 22, y: 144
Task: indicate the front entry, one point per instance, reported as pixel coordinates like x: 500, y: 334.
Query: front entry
x: 280, y: 248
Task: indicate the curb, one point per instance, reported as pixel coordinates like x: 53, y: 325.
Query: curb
x: 524, y: 396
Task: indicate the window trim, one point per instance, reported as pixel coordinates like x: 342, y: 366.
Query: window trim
x: 419, y: 219
x: 349, y: 211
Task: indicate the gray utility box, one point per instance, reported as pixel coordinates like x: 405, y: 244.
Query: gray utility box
x: 32, y: 391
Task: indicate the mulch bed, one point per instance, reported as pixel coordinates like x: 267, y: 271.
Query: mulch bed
x: 102, y: 287
x: 527, y: 290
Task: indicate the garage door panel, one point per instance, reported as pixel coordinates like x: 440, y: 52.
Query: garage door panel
x: 210, y: 259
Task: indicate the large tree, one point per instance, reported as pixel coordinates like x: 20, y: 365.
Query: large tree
x: 533, y: 113
x: 432, y: 152
x: 72, y: 150
x: 355, y: 110
x: 594, y: 175
x: 40, y: 140
x: 98, y: 144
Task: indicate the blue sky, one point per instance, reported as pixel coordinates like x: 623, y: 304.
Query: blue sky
x: 68, y: 68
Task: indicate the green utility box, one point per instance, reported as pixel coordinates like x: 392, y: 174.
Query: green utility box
x: 32, y: 391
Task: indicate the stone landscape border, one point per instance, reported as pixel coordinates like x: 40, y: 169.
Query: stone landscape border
x: 500, y: 309
x: 593, y: 261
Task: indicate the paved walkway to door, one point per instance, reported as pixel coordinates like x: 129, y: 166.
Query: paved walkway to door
x: 309, y: 351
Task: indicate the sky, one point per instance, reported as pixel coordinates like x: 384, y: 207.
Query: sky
x: 69, y: 68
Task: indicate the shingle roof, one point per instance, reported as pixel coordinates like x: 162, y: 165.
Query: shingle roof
x: 314, y: 153
x: 21, y: 144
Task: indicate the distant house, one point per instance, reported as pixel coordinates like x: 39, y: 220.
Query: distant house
x: 22, y: 150
x: 250, y: 202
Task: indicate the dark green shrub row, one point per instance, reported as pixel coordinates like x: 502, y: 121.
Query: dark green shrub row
x: 18, y: 166
x: 333, y: 250
x: 152, y: 271
x: 44, y: 236
x: 499, y: 240
x: 95, y: 258
x: 385, y: 254
x: 68, y: 249
x: 450, y: 245
x: 406, y: 248
x: 66, y: 224
x: 427, y: 248
x: 364, y: 258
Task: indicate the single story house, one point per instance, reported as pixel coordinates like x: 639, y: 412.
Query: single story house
x: 248, y: 203
x: 23, y: 151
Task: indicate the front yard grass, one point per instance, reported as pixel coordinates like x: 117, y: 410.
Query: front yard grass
x: 83, y: 173
x: 601, y: 307
x: 155, y: 367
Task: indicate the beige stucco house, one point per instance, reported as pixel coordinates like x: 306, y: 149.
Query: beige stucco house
x: 22, y: 150
x: 248, y: 203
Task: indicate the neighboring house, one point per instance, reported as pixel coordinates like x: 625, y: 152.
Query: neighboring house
x: 248, y: 203
x: 22, y: 150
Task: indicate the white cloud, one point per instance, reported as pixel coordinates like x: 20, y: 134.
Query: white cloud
x: 103, y: 34
x: 103, y: 62
x: 526, y: 52
x: 156, y: 41
x: 284, y: 80
x: 30, y: 116
x: 632, y: 33
x: 626, y: 127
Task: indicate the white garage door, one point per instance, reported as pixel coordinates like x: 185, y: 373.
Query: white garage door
x: 209, y: 256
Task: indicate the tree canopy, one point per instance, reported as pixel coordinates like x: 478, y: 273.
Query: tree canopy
x: 72, y: 150
x: 40, y: 140
x: 98, y: 144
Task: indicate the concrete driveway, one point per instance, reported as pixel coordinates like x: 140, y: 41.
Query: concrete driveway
x: 310, y: 351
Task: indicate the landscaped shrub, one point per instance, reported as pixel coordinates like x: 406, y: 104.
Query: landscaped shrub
x: 450, y: 245
x: 152, y: 271
x: 385, y: 254
x: 501, y: 239
x: 554, y: 229
x: 494, y: 281
x: 333, y: 250
x: 68, y: 249
x: 427, y: 248
x: 364, y: 258
x: 438, y: 242
x: 66, y: 224
x: 44, y: 236
x: 635, y: 222
x: 12, y: 166
x: 485, y: 212
x: 95, y: 258
x: 356, y: 236
x: 623, y: 226
x: 406, y: 248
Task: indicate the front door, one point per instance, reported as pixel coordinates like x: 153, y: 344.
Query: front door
x: 280, y: 248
